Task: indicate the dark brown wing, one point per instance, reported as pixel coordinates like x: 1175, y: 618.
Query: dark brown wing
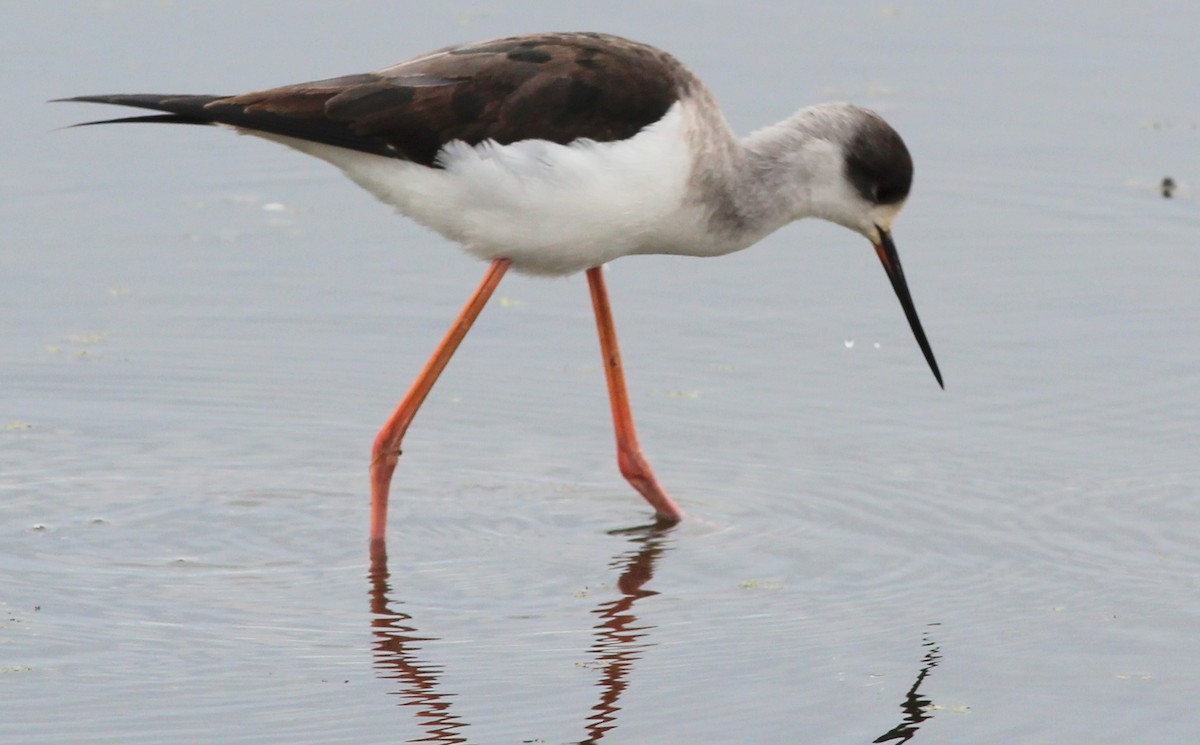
x: 557, y: 87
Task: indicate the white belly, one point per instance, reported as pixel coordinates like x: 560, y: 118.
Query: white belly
x: 551, y: 209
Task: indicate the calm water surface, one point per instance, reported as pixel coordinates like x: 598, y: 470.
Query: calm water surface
x: 200, y: 335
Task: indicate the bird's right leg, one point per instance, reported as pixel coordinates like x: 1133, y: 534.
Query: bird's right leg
x: 386, y: 451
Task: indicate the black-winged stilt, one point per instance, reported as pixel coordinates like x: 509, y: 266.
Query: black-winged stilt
x: 555, y: 153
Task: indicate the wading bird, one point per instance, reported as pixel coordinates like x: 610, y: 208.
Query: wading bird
x: 555, y: 153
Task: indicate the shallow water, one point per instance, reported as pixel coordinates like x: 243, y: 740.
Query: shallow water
x: 200, y: 335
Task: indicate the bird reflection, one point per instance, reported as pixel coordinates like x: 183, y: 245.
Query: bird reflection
x: 916, y: 708
x: 619, y: 641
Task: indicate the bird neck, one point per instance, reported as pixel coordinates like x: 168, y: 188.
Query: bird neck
x: 777, y: 175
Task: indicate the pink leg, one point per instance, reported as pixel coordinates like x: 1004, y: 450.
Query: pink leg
x: 634, y: 466
x: 386, y: 452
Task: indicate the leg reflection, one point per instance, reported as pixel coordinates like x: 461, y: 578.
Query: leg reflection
x: 620, y: 639
x: 396, y: 658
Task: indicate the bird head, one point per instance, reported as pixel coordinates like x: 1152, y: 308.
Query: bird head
x: 859, y: 176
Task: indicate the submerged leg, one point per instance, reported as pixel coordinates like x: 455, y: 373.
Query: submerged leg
x: 633, y: 464
x: 386, y: 452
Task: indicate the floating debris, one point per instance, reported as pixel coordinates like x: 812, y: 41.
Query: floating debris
x: 759, y: 584
x: 90, y: 337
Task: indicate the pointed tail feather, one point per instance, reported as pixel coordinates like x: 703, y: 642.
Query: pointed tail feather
x: 310, y: 124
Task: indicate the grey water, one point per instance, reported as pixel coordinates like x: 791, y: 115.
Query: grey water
x: 201, y: 333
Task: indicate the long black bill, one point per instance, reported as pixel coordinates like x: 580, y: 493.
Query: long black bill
x: 891, y: 264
